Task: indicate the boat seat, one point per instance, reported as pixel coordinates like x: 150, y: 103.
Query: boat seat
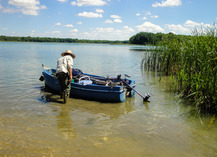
x: 99, y: 82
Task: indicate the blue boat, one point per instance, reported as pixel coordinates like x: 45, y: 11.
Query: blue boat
x: 93, y: 87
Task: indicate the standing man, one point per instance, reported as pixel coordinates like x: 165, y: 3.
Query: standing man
x: 64, y: 73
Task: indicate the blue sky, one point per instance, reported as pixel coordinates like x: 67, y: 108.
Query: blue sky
x: 103, y: 19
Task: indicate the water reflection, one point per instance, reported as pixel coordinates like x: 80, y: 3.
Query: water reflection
x: 113, y: 110
x: 142, y: 48
x: 65, y: 122
x: 49, y: 96
x: 146, y: 105
x: 93, y: 113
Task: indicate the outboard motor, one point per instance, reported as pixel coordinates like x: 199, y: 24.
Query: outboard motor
x: 118, y: 77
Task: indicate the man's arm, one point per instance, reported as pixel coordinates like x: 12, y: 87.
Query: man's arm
x: 70, y: 75
x: 69, y: 66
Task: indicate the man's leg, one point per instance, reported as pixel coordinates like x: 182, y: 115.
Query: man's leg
x: 67, y: 86
x: 61, y: 80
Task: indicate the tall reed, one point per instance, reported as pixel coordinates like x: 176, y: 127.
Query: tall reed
x: 192, y: 63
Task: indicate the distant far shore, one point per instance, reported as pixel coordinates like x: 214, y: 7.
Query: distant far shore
x: 58, y: 40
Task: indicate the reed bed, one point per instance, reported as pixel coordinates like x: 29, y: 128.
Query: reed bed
x: 192, y: 64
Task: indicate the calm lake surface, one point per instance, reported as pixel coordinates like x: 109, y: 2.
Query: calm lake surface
x: 35, y: 123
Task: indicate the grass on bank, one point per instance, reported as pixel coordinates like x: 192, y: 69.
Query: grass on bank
x: 192, y: 64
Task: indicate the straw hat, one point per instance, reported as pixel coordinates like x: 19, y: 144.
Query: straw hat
x: 68, y: 52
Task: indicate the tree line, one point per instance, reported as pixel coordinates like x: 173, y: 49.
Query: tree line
x: 58, y: 40
x: 147, y: 38
x: 141, y: 38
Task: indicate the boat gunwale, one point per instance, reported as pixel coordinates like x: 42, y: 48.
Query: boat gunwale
x: 105, y: 89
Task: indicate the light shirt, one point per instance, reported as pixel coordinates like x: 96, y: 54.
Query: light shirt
x: 64, y: 64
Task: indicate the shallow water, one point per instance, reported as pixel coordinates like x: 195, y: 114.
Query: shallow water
x: 34, y: 122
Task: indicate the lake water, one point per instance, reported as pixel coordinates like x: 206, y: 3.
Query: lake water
x: 35, y: 123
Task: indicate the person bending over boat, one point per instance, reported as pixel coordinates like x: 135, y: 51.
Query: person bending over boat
x: 64, y: 73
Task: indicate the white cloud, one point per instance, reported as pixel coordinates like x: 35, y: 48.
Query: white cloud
x: 167, y: 3
x: 105, y: 30
x: 107, y: 33
x: 154, y: 16
x: 4, y: 28
x: 85, y: 34
x: 79, y: 23
x: 187, y: 27
x: 117, y: 20
x: 128, y: 29
x: 178, y: 29
x: 191, y: 24
x: 73, y: 30
x: 138, y: 14
x: 99, y: 11
x: 149, y: 27
x: 90, y: 14
x: 69, y: 25
x: 111, y: 34
x: 32, y: 33
x: 55, y: 32
x: 115, y: 16
x: 108, y: 21
x: 148, y: 13
x: 30, y: 12
x: 27, y: 7
x: 58, y: 24
x: 43, y: 7
x: 89, y: 3
x: 8, y: 10
x: 207, y: 25
x: 62, y: 0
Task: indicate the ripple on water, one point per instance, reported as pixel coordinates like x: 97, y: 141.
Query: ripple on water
x: 35, y: 122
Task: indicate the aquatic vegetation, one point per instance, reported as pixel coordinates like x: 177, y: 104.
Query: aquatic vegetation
x: 192, y: 64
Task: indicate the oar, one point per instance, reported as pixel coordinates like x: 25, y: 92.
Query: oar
x: 147, y: 96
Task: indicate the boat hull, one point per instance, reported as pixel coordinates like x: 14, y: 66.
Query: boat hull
x: 90, y: 91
